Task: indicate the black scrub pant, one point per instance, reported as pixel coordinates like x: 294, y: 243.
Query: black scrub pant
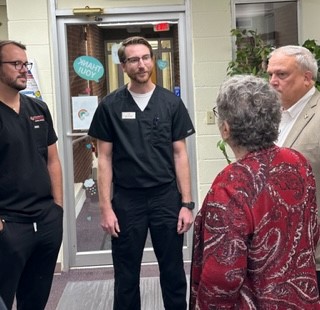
x: 137, y: 211
x: 28, y: 255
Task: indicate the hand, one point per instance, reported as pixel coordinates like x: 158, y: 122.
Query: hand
x: 59, y: 203
x: 185, y: 220
x: 109, y: 222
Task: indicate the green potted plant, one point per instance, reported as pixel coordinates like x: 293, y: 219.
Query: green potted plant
x: 251, y: 54
x: 314, y: 48
x: 251, y: 57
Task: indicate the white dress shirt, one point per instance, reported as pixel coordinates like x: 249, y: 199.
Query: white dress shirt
x: 289, y: 117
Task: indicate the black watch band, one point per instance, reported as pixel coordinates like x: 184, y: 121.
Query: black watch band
x: 189, y: 205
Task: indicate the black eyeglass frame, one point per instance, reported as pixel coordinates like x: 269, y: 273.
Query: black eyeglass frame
x: 215, y: 112
x: 18, y: 65
x: 136, y: 60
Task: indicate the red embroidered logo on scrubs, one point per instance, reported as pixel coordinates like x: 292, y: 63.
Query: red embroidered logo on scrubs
x: 37, y: 118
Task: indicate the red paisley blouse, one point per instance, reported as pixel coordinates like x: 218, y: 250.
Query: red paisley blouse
x: 255, y: 236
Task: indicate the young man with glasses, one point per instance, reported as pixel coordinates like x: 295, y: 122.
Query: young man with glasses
x: 30, y: 187
x: 141, y: 130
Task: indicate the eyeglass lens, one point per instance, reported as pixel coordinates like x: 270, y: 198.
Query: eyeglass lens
x: 136, y: 60
x: 18, y: 65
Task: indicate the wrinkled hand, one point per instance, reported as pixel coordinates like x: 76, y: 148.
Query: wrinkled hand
x: 109, y: 223
x: 185, y: 220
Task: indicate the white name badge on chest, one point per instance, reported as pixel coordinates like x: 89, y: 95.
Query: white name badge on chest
x: 128, y: 115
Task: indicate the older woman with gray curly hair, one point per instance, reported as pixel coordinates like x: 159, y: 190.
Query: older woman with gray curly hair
x: 251, y: 111
x: 255, y: 235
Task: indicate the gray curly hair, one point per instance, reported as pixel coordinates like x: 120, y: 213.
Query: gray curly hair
x: 252, y: 109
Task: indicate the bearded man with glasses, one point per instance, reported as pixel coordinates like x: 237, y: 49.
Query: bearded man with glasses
x: 30, y: 187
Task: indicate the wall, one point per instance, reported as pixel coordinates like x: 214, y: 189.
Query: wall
x: 68, y: 4
x: 4, y: 22
x: 212, y: 51
x: 310, y: 21
x: 29, y: 25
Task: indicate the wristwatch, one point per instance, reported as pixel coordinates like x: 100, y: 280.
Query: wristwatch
x: 189, y: 205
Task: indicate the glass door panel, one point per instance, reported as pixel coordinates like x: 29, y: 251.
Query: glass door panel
x: 89, y: 245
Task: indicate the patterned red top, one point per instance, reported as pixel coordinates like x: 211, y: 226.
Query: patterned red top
x: 255, y: 236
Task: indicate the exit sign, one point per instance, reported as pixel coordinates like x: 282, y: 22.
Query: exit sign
x: 161, y: 27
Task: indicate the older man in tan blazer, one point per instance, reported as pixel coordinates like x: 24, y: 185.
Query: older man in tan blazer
x: 292, y: 72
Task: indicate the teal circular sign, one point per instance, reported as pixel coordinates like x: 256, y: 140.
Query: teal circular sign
x: 88, y: 68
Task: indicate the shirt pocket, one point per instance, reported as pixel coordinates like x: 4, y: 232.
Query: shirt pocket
x: 40, y: 134
x: 161, y: 132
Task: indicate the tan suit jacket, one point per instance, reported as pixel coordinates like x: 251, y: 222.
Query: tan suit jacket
x: 305, y: 138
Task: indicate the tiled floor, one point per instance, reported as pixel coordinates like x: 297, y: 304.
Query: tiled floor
x: 86, y: 289
x: 98, y: 295
x: 60, y: 281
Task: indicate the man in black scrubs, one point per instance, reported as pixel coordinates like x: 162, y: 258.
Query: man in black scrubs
x: 30, y: 187
x: 141, y: 130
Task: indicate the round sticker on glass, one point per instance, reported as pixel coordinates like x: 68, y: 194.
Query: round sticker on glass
x: 88, y: 68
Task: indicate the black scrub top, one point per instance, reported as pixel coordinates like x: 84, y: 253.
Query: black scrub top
x: 25, y: 186
x: 142, y: 140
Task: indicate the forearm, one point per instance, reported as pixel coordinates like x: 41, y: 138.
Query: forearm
x: 104, y: 183
x: 109, y: 221
x: 105, y: 175
x: 55, y: 172
x: 182, y: 168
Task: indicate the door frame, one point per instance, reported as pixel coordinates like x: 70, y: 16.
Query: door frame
x: 71, y: 258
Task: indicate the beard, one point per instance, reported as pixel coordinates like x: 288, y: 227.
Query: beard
x: 14, y: 83
x: 140, y: 77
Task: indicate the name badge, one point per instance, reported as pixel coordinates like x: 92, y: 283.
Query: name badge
x: 128, y: 115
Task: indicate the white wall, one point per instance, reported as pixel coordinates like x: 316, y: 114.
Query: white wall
x: 4, y: 22
x: 212, y: 50
x: 68, y: 4
x: 29, y: 25
x: 310, y: 21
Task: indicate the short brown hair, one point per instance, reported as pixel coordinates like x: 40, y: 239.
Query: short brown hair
x: 7, y: 42
x: 132, y: 41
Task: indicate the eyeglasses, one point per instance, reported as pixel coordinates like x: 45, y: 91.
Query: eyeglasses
x: 19, y: 64
x: 136, y: 60
x: 215, y: 112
